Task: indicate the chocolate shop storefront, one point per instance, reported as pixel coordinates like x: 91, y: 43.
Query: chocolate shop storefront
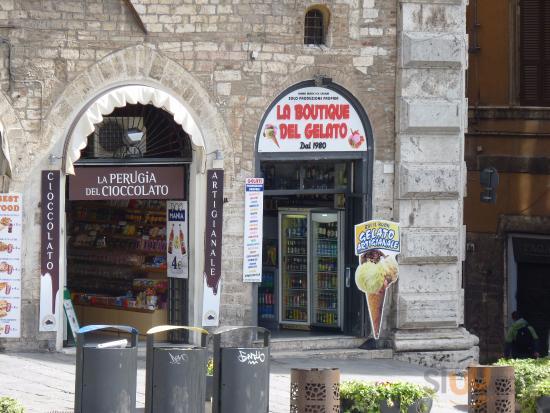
x: 123, y: 222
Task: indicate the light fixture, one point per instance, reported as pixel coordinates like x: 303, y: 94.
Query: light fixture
x: 133, y: 136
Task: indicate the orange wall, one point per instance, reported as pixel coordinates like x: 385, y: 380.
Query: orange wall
x: 526, y: 146
x: 488, y: 66
x: 517, y: 194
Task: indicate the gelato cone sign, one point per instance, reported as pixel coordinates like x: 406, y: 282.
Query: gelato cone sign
x: 312, y: 119
x: 377, y: 243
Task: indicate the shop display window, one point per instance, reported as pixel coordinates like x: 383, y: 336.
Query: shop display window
x: 117, y: 254
x: 305, y: 175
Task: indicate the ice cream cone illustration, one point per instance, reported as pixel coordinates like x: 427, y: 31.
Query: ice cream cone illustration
x: 356, y: 139
x: 374, y: 275
x: 270, y: 132
x: 375, y: 303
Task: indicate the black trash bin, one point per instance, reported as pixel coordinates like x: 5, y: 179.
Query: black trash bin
x: 241, y: 373
x: 106, y: 372
x: 175, y: 379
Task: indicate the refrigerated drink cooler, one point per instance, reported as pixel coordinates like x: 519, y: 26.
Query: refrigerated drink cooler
x: 311, y: 268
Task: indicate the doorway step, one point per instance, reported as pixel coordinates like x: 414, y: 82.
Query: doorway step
x: 325, y: 347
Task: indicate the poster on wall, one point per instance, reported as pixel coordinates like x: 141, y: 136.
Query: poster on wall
x: 253, y: 229
x: 177, y: 247
x: 377, y: 243
x: 312, y: 119
x: 213, y: 248
x: 50, y: 293
x: 11, y: 211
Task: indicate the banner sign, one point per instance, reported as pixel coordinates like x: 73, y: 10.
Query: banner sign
x: 213, y: 248
x: 381, y: 235
x: 126, y: 182
x: 50, y: 293
x: 377, y: 243
x: 253, y: 229
x: 312, y: 119
x: 11, y: 211
x: 177, y: 248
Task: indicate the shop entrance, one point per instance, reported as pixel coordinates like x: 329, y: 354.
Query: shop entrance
x: 533, y: 299
x: 127, y: 221
x: 308, y: 259
x: 314, y: 150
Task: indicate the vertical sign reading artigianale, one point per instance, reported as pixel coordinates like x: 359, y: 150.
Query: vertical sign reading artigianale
x: 49, y: 252
x: 213, y: 248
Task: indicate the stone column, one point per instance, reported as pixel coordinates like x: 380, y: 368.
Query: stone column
x: 431, y: 174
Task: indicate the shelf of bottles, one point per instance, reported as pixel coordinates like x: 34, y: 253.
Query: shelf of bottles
x: 266, y: 296
x: 325, y: 270
x: 294, y: 268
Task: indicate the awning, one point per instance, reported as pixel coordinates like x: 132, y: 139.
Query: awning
x: 120, y: 97
x: 5, y: 161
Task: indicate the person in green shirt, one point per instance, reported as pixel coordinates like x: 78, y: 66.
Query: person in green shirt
x: 521, y: 339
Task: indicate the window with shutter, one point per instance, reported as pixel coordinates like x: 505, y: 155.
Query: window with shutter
x: 535, y: 52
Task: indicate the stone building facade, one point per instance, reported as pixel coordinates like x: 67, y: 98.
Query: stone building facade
x: 508, y: 248
x: 226, y: 61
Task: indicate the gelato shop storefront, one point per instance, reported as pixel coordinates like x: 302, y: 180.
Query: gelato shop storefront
x: 314, y: 152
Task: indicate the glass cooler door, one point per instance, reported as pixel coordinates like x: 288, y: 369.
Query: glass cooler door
x: 293, y: 266
x: 325, y: 259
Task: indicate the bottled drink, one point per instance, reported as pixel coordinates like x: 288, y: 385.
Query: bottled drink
x: 182, y: 242
x: 171, y: 240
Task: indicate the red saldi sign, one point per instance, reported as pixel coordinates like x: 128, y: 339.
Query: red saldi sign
x: 127, y: 182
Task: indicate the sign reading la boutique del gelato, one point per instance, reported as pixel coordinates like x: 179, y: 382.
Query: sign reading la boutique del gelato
x: 126, y: 182
x: 377, y: 242
x: 312, y: 119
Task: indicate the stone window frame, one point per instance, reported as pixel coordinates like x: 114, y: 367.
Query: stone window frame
x: 325, y: 14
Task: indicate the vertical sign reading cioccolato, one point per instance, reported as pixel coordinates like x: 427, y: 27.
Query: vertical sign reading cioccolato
x: 50, y: 294
x: 213, y: 248
x: 10, y: 265
x: 253, y: 229
x: 176, y: 254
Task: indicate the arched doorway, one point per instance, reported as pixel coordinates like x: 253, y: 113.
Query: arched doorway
x: 314, y: 149
x: 134, y: 170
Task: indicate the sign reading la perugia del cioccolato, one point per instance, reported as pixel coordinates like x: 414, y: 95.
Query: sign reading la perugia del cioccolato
x: 312, y: 119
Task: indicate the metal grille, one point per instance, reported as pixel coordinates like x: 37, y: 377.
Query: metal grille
x: 178, y: 293
x: 162, y: 136
x: 313, y: 28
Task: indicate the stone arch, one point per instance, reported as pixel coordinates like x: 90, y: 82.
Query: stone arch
x: 340, y: 77
x: 379, y: 122
x: 14, y: 134
x: 137, y: 65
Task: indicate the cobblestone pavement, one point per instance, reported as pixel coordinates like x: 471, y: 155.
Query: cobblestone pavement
x: 44, y: 382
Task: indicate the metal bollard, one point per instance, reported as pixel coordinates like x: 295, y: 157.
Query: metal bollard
x: 106, y: 373
x: 315, y: 390
x: 241, y: 375
x: 491, y: 389
x: 175, y: 379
